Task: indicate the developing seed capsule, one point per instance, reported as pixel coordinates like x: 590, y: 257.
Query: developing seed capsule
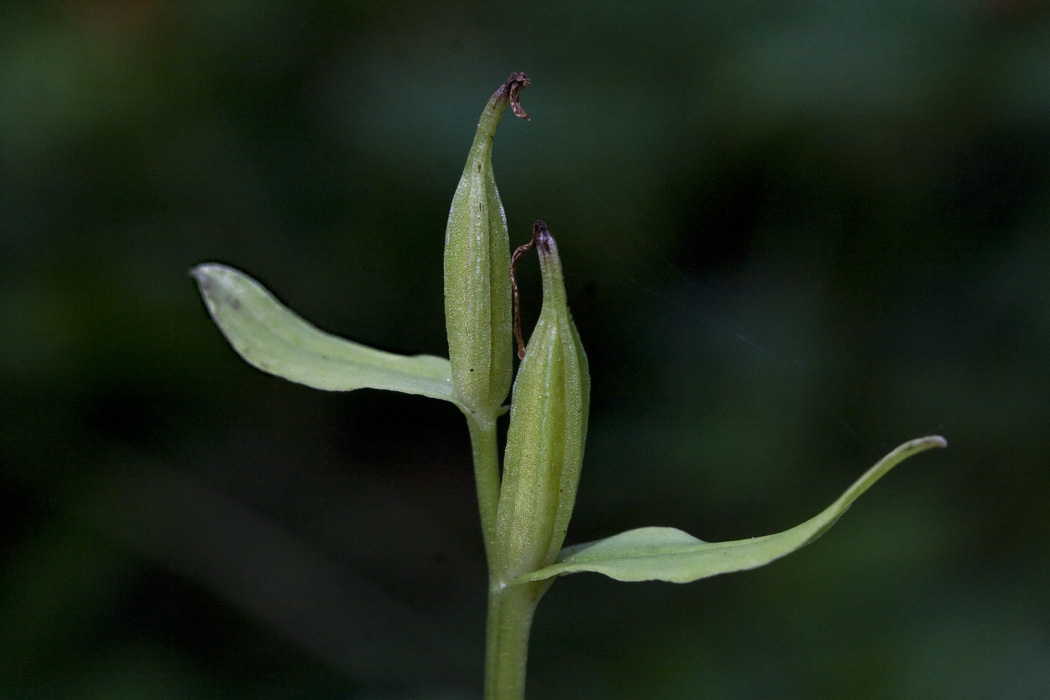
x: 477, y: 255
x: 548, y: 427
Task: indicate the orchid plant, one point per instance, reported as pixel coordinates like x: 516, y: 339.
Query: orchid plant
x: 525, y: 504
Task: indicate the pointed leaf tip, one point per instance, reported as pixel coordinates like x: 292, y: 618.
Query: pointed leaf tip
x: 668, y: 554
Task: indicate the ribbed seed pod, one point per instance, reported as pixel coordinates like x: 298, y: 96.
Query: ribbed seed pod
x: 477, y: 256
x: 548, y: 428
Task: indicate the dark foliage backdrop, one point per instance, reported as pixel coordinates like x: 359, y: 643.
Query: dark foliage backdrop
x: 797, y: 234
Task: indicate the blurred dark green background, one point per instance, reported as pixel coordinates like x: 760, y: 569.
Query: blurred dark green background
x: 797, y: 235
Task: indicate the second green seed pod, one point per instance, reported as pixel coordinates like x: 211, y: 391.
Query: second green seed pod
x: 548, y: 428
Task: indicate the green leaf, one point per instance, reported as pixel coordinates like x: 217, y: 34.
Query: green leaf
x: 272, y: 338
x: 667, y: 554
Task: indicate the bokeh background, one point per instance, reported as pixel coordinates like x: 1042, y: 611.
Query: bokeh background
x: 796, y: 233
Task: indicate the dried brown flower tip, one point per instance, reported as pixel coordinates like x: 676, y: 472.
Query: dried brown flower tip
x: 513, y: 87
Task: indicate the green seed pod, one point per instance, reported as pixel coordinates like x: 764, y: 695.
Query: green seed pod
x: 548, y: 427
x: 477, y: 255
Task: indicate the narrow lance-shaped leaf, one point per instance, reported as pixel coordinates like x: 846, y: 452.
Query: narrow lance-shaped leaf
x: 667, y: 554
x: 273, y: 339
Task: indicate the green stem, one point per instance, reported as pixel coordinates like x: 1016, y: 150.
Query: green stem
x: 510, y: 607
x: 507, y: 637
x: 485, y: 450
